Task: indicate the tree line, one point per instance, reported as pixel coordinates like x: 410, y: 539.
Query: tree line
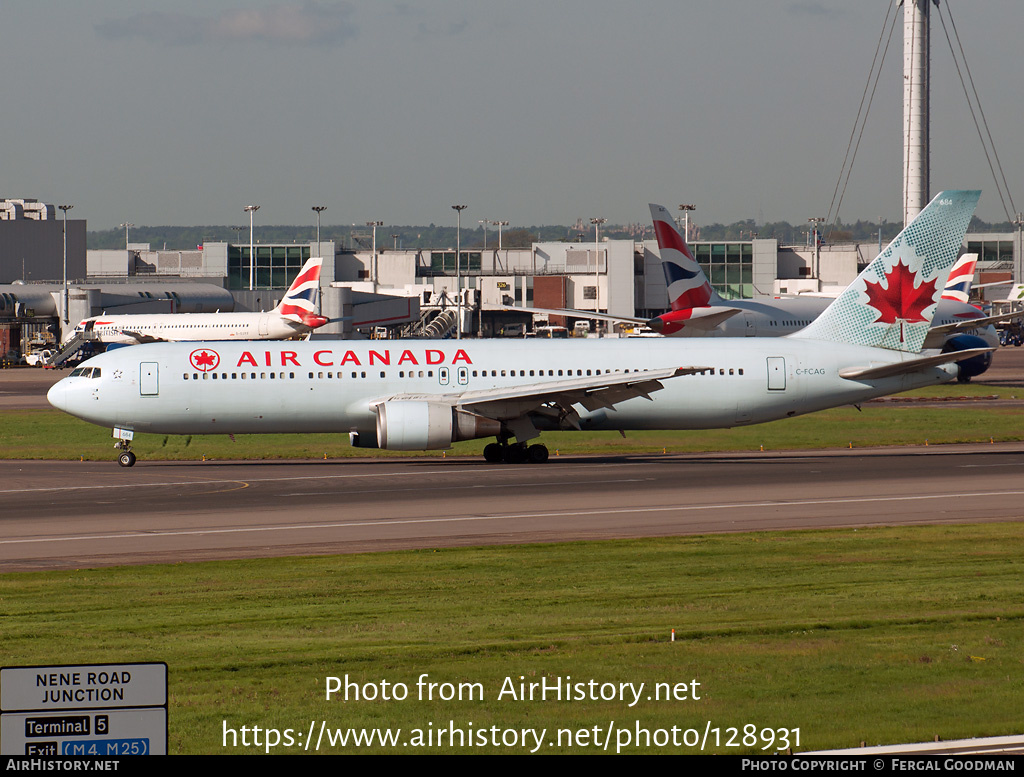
x: 433, y: 236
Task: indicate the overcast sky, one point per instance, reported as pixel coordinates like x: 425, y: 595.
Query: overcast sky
x: 533, y: 111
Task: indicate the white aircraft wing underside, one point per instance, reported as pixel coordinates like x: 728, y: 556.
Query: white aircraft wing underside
x: 592, y: 392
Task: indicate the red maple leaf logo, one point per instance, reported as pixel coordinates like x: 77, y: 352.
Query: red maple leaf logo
x: 901, y: 301
x: 204, y: 360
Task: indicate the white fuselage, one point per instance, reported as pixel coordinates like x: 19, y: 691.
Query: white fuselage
x: 335, y: 386
x: 779, y: 317
x: 130, y: 329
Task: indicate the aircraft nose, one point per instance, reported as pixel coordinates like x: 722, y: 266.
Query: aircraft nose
x: 58, y: 395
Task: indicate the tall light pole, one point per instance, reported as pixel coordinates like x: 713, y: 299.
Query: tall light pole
x: 499, y: 225
x: 485, y: 222
x: 126, y: 226
x: 319, y: 209
x: 458, y: 267
x: 374, y: 224
x: 1018, y: 249
x: 597, y: 222
x: 686, y: 221
x: 251, y: 209
x: 394, y: 240
x: 64, y: 303
x: 815, y: 221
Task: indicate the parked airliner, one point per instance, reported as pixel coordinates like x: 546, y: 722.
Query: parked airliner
x: 423, y: 395
x: 294, y: 316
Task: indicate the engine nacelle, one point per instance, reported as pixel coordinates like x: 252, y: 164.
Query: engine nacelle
x: 414, y: 426
x: 969, y: 368
x: 407, y: 425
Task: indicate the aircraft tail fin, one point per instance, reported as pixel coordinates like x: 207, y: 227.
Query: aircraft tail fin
x: 961, y: 278
x: 302, y: 300
x: 891, y: 304
x: 688, y: 286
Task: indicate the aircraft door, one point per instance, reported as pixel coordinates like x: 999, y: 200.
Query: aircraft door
x: 149, y: 383
x: 463, y: 376
x: 776, y: 373
x: 443, y: 376
x: 264, y: 325
x: 751, y: 325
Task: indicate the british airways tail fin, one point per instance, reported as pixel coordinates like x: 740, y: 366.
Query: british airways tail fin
x: 891, y: 304
x: 961, y: 278
x: 301, y: 301
x: 688, y: 287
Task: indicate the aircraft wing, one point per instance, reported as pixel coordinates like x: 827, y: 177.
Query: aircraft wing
x: 572, y: 313
x: 592, y: 392
x: 141, y: 338
x: 703, y: 318
x: 937, y: 334
x: 910, y: 365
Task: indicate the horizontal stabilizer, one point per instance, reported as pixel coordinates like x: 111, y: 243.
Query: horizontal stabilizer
x: 910, y: 365
x: 705, y: 319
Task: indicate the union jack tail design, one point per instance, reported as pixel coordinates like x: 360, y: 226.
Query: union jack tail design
x: 688, y: 287
x: 891, y: 304
x: 961, y: 278
x: 301, y: 301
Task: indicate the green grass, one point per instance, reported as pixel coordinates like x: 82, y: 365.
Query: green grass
x: 880, y: 635
x: 50, y: 434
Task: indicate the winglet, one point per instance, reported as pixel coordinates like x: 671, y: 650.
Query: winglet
x: 891, y: 304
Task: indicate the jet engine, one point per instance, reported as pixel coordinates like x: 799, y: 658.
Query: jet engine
x: 976, y: 365
x: 406, y: 425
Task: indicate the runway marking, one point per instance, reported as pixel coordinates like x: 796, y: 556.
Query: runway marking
x: 505, y: 516
x: 250, y: 481
x: 488, y: 486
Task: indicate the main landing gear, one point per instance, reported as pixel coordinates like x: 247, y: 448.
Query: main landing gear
x: 125, y: 458
x: 520, y: 453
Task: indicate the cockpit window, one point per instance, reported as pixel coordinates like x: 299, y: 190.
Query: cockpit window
x: 85, y: 372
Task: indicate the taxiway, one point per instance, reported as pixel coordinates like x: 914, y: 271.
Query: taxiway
x: 83, y: 514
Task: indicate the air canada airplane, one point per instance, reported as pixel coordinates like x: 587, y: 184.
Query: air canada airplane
x: 423, y: 395
x: 295, y: 315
